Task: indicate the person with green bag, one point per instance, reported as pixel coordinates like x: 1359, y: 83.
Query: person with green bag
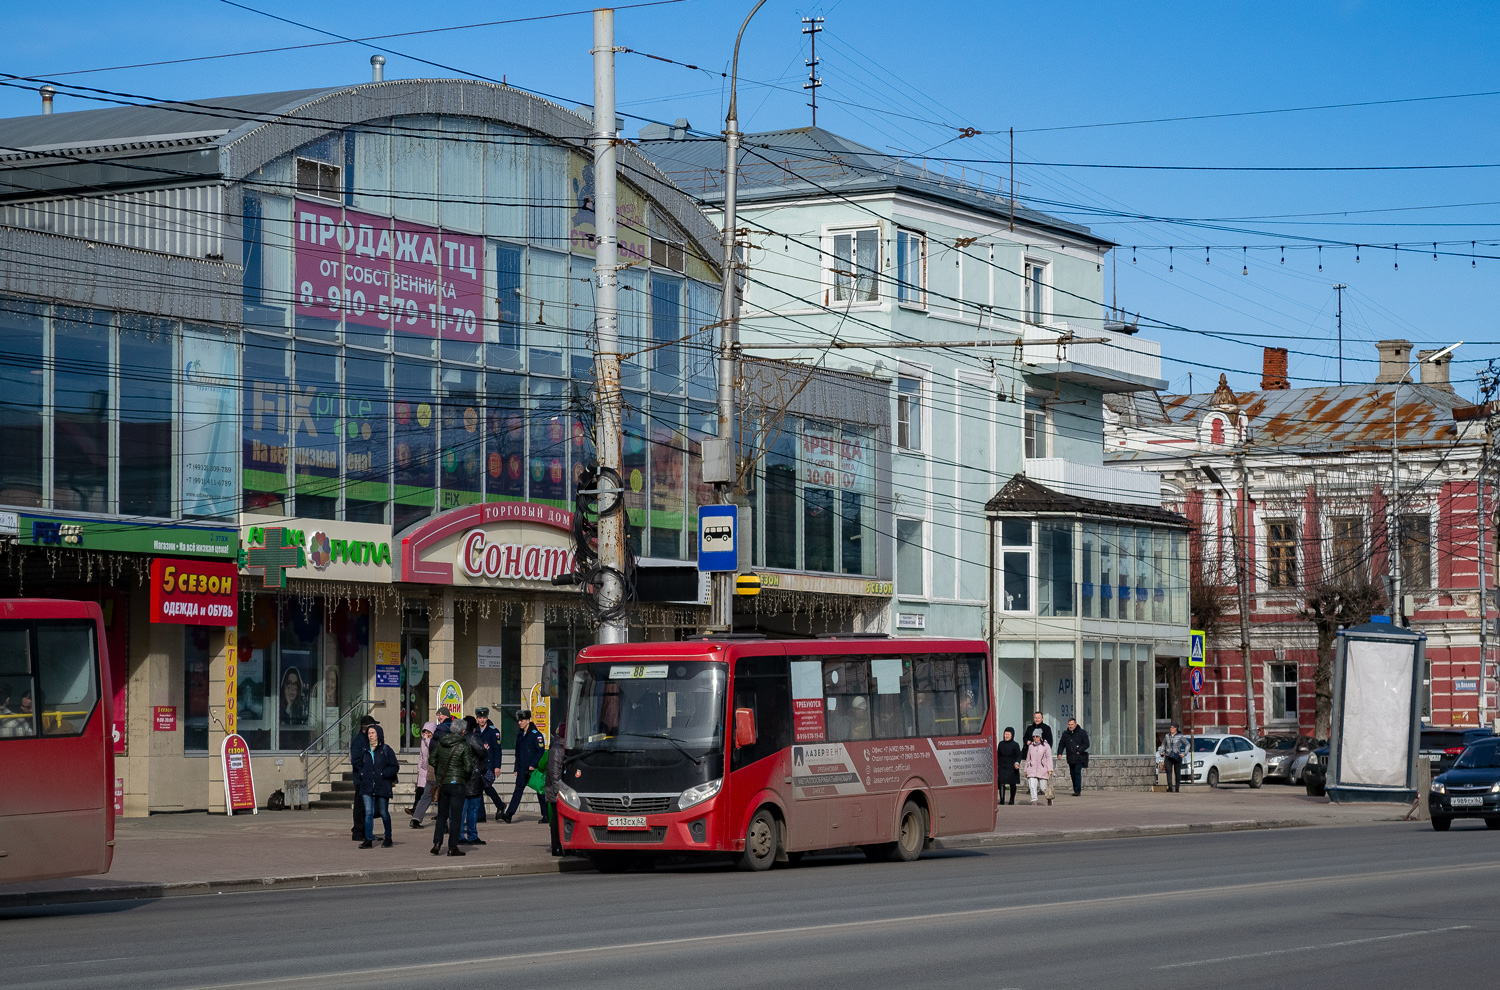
x: 530, y: 747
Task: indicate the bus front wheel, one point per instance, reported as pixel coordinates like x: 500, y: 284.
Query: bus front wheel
x: 760, y: 842
x: 910, y: 838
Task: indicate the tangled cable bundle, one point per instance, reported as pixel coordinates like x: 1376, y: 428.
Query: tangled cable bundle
x: 590, y: 504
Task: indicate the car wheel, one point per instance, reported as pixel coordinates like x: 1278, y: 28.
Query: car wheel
x: 1492, y: 823
x: 1257, y: 777
x: 1314, y: 789
x: 1440, y: 823
x: 1213, y: 776
x: 911, y: 837
x: 760, y: 842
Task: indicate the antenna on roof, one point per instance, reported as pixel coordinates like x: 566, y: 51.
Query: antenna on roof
x: 810, y: 27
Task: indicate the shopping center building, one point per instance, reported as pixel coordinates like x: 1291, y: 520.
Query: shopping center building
x: 354, y: 322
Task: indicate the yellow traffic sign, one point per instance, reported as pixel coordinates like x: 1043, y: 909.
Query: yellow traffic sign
x: 747, y: 585
x: 1196, y: 654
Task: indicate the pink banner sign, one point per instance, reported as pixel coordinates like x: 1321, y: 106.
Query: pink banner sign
x: 374, y: 271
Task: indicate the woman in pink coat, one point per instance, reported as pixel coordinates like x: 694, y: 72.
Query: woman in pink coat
x: 1037, y: 765
x: 424, y: 792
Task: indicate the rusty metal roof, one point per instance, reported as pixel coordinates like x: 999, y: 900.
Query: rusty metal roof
x: 1327, y: 419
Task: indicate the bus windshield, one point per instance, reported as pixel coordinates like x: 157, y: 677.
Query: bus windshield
x: 664, y: 711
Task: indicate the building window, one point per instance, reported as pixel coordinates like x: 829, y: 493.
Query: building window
x: 911, y: 565
x: 318, y: 179
x: 1283, y: 692
x: 1216, y: 433
x: 1281, y: 554
x: 909, y: 413
x: 1015, y: 565
x: 911, y: 268
x: 1348, y: 564
x: 1055, y: 571
x: 1416, y: 552
x: 856, y: 265
x: 1035, y: 305
x: 1035, y: 437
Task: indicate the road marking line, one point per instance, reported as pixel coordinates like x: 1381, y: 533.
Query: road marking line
x: 345, y: 976
x: 1310, y: 948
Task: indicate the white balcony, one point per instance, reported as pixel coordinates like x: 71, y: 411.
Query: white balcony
x: 1094, y: 481
x: 1122, y: 363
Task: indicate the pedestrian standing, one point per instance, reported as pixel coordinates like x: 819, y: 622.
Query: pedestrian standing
x: 1173, y: 750
x: 450, y: 760
x: 1038, y: 766
x: 474, y: 791
x: 1074, y: 744
x: 554, y: 778
x: 1008, y: 764
x: 426, y: 788
x: 529, y: 746
x: 358, y: 743
x: 491, y: 737
x: 375, y: 773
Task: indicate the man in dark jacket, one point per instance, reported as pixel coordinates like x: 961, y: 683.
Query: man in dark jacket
x: 490, y: 736
x: 474, y: 793
x: 1074, y: 744
x: 1037, y: 723
x: 450, y: 762
x: 529, y: 748
x: 359, y: 743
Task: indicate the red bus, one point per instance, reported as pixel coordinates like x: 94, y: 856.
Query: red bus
x: 57, y: 760
x: 768, y: 749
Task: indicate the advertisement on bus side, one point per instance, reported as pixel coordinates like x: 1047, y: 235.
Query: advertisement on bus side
x: 829, y: 769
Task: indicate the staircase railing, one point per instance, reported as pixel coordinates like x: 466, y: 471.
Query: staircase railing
x: 323, y: 753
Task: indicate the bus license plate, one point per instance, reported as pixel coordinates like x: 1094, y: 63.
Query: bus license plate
x: 616, y: 821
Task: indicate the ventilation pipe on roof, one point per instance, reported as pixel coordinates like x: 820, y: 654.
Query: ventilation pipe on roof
x: 47, y: 93
x: 1395, y: 360
x: 1273, y: 369
x: 1435, y: 373
x: 377, y: 68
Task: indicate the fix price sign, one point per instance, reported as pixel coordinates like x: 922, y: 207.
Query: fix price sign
x: 384, y: 273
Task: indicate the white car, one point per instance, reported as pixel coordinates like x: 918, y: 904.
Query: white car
x: 1224, y: 759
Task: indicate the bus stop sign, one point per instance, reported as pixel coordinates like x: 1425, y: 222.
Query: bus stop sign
x: 718, y: 538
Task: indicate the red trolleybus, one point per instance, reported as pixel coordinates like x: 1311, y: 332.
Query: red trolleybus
x: 57, y: 762
x: 768, y: 749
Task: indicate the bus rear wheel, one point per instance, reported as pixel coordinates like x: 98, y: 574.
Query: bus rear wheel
x: 911, y: 837
x: 761, y: 842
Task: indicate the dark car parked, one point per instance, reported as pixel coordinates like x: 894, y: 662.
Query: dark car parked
x: 1441, y: 747
x: 1282, y: 753
x: 1315, y: 773
x: 1471, y: 789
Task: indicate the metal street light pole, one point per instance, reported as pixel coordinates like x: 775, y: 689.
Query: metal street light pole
x: 725, y: 471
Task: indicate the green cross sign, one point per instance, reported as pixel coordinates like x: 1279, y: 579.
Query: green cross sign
x: 274, y: 556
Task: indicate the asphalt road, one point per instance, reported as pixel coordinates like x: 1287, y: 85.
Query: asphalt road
x: 1372, y: 906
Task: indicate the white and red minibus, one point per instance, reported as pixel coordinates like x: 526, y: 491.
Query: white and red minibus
x: 57, y: 753
x: 767, y: 749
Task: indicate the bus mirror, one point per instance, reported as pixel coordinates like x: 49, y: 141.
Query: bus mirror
x: 744, y: 728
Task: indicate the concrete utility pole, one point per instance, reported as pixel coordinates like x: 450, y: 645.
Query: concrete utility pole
x: 1237, y: 529
x: 606, y: 321
x: 1340, y: 290
x: 720, y: 466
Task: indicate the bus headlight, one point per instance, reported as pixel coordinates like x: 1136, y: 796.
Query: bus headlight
x: 568, y: 796
x: 698, y: 794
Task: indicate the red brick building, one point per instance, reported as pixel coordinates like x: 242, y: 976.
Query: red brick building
x: 1308, y: 475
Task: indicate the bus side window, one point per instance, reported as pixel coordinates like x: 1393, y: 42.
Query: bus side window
x: 937, y: 701
x: 891, y: 703
x: 67, y: 676
x: 973, y: 695
x: 846, y: 703
x: 17, y: 716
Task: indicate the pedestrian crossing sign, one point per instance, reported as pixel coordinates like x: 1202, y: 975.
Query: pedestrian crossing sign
x: 1195, y: 655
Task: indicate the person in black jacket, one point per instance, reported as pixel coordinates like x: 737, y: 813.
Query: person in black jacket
x: 375, y: 772
x: 554, y: 778
x: 1037, y: 723
x: 474, y: 789
x: 529, y: 746
x: 490, y: 736
x: 1074, y: 744
x: 1008, y: 765
x: 358, y: 743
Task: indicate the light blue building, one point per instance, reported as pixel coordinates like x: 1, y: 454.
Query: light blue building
x: 846, y: 246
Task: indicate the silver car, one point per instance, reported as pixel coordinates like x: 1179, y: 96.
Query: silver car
x: 1286, y: 755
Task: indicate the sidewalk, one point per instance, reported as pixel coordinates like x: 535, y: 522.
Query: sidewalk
x: 174, y: 855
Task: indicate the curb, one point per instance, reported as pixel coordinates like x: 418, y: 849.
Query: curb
x: 1118, y: 832
x: 156, y: 891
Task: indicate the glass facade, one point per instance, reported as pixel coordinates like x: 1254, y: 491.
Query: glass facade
x: 1115, y: 584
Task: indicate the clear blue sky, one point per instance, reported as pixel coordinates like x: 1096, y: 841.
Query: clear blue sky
x: 993, y: 66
